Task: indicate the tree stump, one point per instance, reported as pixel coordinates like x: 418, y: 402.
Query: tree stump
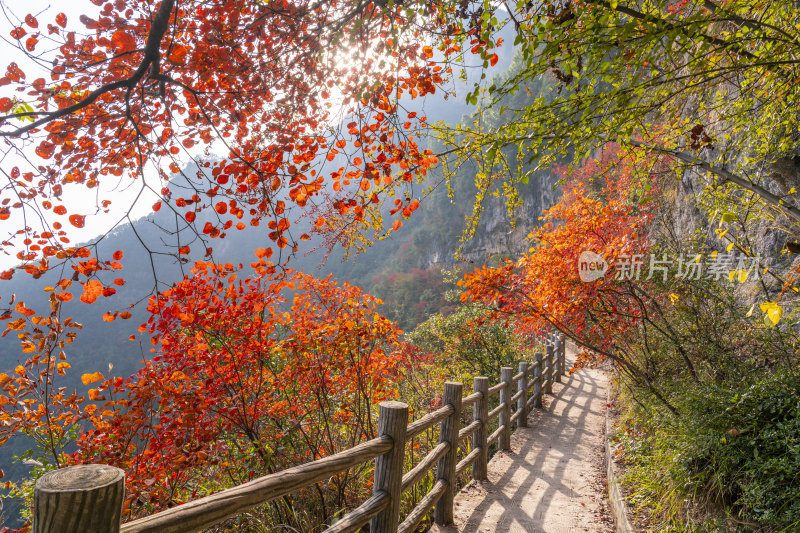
x: 79, y: 499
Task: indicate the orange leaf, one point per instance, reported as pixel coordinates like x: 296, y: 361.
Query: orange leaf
x: 109, y: 317
x: 177, y: 54
x: 117, y: 255
x: 397, y: 225
x: 92, y: 289
x: 123, y: 41
x: 64, y: 296
x: 91, y: 378
x: 125, y: 315
x: 20, y: 308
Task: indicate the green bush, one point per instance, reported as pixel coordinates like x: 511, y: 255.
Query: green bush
x: 748, y: 445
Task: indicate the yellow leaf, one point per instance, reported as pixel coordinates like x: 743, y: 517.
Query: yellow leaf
x: 673, y: 297
x: 773, y: 311
x: 19, y: 370
x: 743, y: 275
x: 730, y: 247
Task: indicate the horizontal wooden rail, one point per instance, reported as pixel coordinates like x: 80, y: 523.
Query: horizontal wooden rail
x: 466, y: 431
x: 496, y: 411
x: 496, y: 435
x: 419, y: 471
x: 54, y: 504
x: 467, y: 461
x: 425, y: 504
x: 358, y: 517
x: 516, y: 397
x: 471, y: 399
x: 210, y: 510
x: 497, y: 388
x: 427, y: 421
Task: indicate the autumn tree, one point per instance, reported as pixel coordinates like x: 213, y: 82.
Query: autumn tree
x: 710, y: 84
x: 300, y: 98
x: 250, y: 376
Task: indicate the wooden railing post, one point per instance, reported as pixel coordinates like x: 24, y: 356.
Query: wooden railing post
x: 522, y: 402
x: 548, y: 380
x: 506, y: 373
x: 78, y: 499
x: 446, y: 469
x: 392, y: 421
x: 557, y: 353
x: 480, y: 439
x: 563, y: 355
x: 537, y: 375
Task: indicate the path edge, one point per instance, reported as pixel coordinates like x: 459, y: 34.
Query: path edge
x: 615, y: 498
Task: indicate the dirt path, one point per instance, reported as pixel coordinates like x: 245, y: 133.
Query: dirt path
x: 553, y: 480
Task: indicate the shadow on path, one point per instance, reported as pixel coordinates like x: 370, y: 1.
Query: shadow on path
x: 552, y: 480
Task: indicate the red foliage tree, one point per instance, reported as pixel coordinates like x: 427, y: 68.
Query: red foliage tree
x: 606, y: 209
x: 246, y: 380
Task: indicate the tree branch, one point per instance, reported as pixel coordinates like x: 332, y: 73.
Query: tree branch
x: 151, y: 60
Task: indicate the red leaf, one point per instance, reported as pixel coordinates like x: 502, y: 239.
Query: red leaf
x: 61, y: 20
x: 77, y: 220
x: 31, y: 21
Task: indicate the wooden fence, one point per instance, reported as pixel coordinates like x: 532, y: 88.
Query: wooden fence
x: 88, y: 498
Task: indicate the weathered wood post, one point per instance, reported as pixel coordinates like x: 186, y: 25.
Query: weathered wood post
x: 78, y: 499
x: 392, y: 421
x: 557, y: 354
x: 506, y: 373
x: 480, y: 439
x: 563, y: 355
x: 446, y: 468
x: 548, y: 382
x: 537, y: 375
x: 522, y: 402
